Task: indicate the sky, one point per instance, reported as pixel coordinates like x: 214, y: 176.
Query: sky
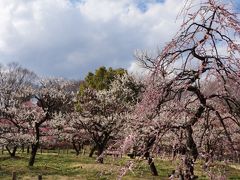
x: 69, y: 38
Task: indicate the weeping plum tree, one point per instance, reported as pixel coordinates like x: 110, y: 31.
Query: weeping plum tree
x: 179, y: 95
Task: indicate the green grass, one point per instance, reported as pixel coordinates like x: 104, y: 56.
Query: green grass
x: 69, y: 167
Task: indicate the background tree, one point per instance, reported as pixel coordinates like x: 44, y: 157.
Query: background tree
x: 68, y: 130
x: 54, y: 97
x: 104, y: 113
x: 101, y: 79
x: 32, y: 108
x: 14, y: 83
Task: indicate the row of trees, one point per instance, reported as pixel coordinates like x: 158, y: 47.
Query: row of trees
x: 38, y: 111
x: 28, y: 105
x: 188, y: 105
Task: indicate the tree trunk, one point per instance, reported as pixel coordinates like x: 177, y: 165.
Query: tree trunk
x: 83, y: 152
x: 13, y: 152
x: 22, y: 148
x: 191, y: 144
x: 152, y: 167
x: 35, y: 146
x: 189, y: 169
x: 189, y: 162
x: 93, y: 149
x: 149, y: 143
x: 28, y: 149
x: 100, y: 150
x: 76, y: 148
x: 33, y: 154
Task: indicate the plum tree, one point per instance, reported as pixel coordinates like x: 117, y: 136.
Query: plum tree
x: 179, y: 95
x: 15, y: 80
x: 104, y: 113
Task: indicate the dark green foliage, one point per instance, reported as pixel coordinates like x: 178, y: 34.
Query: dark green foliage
x: 101, y: 79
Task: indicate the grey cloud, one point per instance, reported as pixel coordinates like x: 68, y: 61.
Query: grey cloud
x: 63, y: 40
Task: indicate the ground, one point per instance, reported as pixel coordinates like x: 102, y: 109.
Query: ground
x: 63, y: 166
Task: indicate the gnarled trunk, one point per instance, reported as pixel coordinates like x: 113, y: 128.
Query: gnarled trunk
x: 92, y: 150
x: 152, y: 167
x: 191, y: 145
x: 13, y: 152
x: 149, y: 143
x: 22, y: 147
x: 77, y: 147
x: 35, y: 146
x: 187, y: 172
x: 33, y: 154
x: 100, y: 150
x: 28, y: 149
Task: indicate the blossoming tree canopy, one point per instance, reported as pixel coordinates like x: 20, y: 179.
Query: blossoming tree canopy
x: 103, y: 113
x: 205, y: 51
x: 29, y: 104
x: 15, y: 85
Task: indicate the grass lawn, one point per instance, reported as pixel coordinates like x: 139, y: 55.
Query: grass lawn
x: 69, y: 167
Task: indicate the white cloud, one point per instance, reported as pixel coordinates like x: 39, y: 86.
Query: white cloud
x: 60, y: 38
x: 137, y: 70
